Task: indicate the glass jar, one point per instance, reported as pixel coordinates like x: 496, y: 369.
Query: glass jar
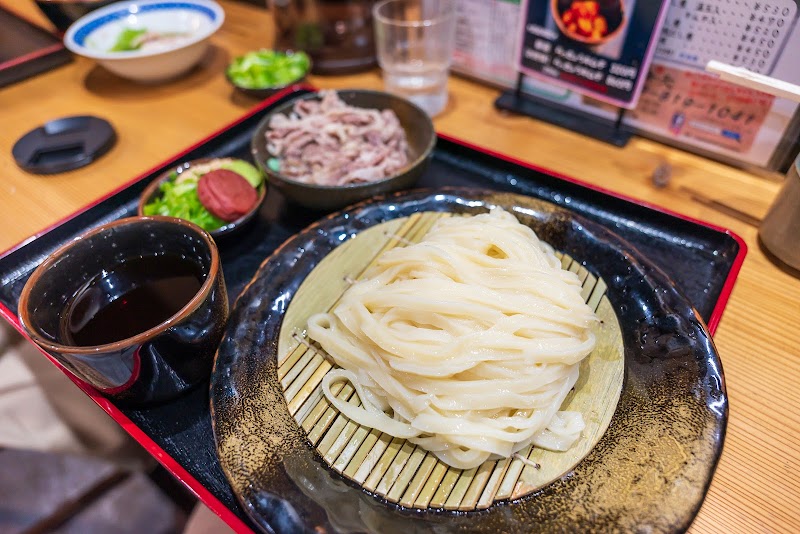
x: 337, y: 34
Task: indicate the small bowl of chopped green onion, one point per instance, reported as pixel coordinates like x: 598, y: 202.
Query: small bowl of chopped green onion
x: 220, y: 195
x: 262, y: 73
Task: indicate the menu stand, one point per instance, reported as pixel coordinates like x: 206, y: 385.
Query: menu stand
x: 517, y: 101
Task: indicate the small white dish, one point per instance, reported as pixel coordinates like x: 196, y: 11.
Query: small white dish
x: 179, y: 30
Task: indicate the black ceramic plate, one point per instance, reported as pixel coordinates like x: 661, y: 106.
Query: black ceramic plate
x: 650, y: 471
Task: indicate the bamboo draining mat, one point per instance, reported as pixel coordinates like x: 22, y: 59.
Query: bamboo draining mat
x: 392, y: 468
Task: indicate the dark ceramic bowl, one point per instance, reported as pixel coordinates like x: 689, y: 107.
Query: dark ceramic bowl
x: 152, y: 191
x: 157, y: 364
x: 672, y: 410
x: 63, y: 13
x: 421, y: 140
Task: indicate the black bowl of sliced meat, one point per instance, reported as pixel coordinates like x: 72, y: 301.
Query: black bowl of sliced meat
x: 330, y: 149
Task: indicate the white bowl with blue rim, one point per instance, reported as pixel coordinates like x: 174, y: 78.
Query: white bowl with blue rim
x: 146, y: 40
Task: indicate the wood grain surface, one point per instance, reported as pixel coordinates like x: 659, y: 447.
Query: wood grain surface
x: 757, y: 484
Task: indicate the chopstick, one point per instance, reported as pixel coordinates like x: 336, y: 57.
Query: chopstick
x: 753, y: 80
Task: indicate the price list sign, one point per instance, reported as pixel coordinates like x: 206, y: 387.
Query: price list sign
x: 600, y: 48
x: 744, y: 33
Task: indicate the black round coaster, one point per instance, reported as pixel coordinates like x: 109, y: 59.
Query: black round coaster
x: 64, y: 144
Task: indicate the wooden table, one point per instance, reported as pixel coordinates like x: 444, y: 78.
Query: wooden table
x: 757, y: 484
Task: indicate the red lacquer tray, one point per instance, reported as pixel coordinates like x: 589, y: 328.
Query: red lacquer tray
x: 703, y: 261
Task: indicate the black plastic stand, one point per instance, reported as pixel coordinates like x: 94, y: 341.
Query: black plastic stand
x: 539, y: 108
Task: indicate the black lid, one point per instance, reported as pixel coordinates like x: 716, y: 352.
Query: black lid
x: 64, y: 144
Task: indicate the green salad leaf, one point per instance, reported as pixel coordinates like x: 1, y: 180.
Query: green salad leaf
x: 179, y: 199
x: 127, y: 40
x: 268, y: 68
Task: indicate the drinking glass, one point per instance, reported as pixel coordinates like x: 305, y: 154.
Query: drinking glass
x: 415, y: 40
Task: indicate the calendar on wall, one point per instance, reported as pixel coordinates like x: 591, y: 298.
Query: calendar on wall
x: 681, y: 104
x: 743, y: 33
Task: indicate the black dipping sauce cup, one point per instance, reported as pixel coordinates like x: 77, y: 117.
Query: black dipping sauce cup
x: 152, y: 366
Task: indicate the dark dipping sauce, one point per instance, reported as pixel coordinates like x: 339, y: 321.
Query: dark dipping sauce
x: 132, y: 298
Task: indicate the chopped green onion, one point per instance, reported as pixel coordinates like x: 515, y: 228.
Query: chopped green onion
x: 267, y: 68
x: 128, y: 39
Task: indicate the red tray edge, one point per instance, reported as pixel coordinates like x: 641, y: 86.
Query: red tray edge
x: 99, y: 200
x: 55, y: 47
x: 169, y: 463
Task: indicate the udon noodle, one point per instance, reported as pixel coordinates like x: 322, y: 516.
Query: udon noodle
x: 465, y: 343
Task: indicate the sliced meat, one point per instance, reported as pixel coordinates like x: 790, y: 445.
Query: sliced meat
x: 327, y: 142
